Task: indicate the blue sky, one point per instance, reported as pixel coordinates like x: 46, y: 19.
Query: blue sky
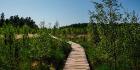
x: 64, y: 11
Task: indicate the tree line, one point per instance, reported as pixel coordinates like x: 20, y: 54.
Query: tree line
x: 17, y: 21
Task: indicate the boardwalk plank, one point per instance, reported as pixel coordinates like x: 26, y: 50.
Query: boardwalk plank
x: 77, y: 59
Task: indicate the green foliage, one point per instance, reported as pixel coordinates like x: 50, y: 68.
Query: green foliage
x: 40, y: 52
x: 117, y: 45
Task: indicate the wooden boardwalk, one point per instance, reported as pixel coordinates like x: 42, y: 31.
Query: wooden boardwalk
x: 77, y: 59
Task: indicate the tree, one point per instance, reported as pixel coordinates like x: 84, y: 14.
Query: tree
x: 56, y: 25
x: 42, y: 24
x: 2, y: 19
x: 115, y: 39
x: 134, y: 17
x: 126, y: 18
x: 49, y: 24
x: 112, y: 10
x: 17, y: 21
x: 108, y: 11
x: 93, y: 38
x: 55, y: 28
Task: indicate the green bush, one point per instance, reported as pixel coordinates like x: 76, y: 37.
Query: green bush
x: 36, y: 53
